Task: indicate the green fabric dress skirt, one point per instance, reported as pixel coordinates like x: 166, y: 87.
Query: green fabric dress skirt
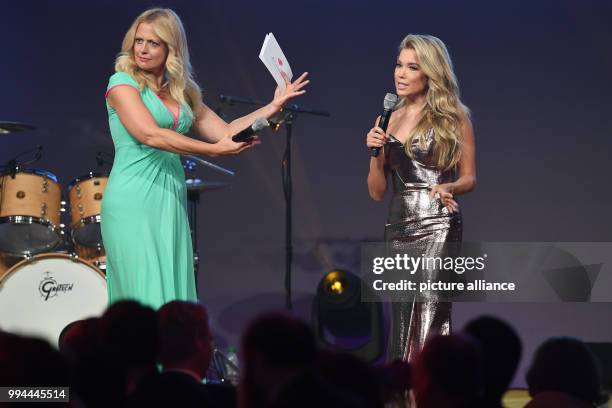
x: 145, y: 228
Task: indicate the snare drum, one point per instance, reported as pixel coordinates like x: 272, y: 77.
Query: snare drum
x: 85, y: 194
x: 30, y: 203
x: 41, y: 295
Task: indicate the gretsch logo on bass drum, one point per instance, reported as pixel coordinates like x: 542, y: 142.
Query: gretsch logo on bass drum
x: 49, y: 287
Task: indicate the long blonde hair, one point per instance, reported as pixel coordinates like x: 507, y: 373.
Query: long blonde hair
x: 443, y: 111
x: 167, y: 26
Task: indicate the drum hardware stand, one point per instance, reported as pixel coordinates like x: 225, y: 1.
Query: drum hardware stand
x: 287, y: 116
x: 193, y: 199
x: 195, y: 186
x: 13, y: 165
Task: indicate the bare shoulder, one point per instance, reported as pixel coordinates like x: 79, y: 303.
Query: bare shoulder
x: 465, y: 123
x: 465, y: 115
x: 119, y: 94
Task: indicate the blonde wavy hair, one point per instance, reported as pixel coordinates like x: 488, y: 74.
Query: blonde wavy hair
x: 443, y: 112
x: 168, y: 26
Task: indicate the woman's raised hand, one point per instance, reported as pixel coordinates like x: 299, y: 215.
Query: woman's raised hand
x: 292, y: 89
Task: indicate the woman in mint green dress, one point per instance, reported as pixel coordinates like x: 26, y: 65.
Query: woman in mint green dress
x: 152, y: 101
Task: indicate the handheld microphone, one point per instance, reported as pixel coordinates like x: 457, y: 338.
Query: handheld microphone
x: 248, y: 133
x: 388, y: 105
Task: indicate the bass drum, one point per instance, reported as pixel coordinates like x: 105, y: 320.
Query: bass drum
x: 41, y: 295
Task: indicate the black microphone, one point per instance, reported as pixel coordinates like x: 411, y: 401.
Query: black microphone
x: 388, y: 105
x: 248, y: 133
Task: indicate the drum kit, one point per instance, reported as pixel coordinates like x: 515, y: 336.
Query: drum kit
x: 51, y: 275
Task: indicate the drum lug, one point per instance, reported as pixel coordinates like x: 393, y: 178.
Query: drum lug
x: 74, y: 256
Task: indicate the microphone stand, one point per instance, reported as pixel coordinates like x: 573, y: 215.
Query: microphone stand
x: 288, y: 191
x: 288, y: 119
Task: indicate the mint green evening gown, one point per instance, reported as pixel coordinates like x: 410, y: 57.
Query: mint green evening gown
x: 144, y: 220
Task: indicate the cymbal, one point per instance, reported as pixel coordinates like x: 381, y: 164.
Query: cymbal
x: 11, y: 127
x: 196, y: 184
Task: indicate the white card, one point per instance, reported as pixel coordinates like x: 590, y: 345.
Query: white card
x: 273, y: 58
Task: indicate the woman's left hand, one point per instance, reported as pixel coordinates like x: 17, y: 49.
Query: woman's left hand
x: 444, y: 193
x: 292, y: 89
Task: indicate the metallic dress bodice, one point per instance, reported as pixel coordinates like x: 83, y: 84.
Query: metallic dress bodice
x: 412, y: 212
x: 417, y: 224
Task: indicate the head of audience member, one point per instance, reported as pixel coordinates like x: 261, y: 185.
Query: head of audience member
x: 448, y: 372
x: 62, y: 335
x: 565, y: 365
x: 30, y: 362
x: 501, y: 349
x: 80, y: 343
x: 394, y: 379
x: 309, y: 390
x: 79, y: 339
x: 274, y: 349
x: 350, y: 376
x: 129, y: 342
x: 185, y: 339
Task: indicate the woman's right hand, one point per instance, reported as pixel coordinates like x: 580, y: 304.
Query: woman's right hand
x: 226, y: 146
x: 376, y: 137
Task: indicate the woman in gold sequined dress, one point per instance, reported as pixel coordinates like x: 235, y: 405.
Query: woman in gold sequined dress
x: 429, y: 153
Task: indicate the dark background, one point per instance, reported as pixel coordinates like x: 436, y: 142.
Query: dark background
x: 535, y: 75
